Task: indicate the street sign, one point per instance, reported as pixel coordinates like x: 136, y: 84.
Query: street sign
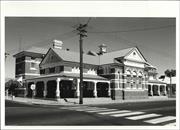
x: 33, y: 86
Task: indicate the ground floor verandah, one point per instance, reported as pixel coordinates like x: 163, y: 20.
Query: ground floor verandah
x: 94, y: 86
x: 157, y: 89
x: 67, y: 87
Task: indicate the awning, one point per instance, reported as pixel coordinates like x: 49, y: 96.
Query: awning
x: 70, y: 75
x: 156, y: 81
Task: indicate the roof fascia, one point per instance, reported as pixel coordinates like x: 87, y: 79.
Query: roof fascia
x: 27, y: 53
x: 135, y: 48
x: 44, y: 56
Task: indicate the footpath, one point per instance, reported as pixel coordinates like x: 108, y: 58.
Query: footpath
x: 86, y: 101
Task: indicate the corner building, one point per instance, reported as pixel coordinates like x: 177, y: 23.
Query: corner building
x: 119, y: 75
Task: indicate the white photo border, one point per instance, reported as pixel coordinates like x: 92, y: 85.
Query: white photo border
x: 88, y: 9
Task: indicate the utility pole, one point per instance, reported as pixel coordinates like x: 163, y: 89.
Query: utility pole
x: 82, y: 33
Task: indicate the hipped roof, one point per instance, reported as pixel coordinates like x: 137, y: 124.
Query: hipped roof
x: 106, y: 58
x: 33, y: 50
x: 74, y: 56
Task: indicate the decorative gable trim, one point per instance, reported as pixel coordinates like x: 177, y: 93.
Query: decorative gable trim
x: 46, y: 57
x: 138, y: 55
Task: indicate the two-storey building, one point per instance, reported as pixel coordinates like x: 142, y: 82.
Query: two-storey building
x: 123, y: 74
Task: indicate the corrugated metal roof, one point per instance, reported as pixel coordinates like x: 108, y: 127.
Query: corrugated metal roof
x: 74, y: 56
x: 32, y: 51
x: 108, y: 58
x: 37, y: 50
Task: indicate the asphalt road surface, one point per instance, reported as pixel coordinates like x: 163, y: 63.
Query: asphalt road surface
x: 157, y: 113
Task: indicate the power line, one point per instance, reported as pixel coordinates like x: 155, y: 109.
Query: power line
x: 135, y: 30
x: 63, y: 36
x: 88, y: 21
x: 137, y: 44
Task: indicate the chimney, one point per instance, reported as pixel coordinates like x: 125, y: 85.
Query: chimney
x: 57, y: 44
x: 102, y: 49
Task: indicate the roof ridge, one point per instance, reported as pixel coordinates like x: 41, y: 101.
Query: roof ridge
x: 72, y: 52
x: 120, y: 50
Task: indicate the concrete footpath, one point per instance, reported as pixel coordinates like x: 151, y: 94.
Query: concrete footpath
x: 86, y: 101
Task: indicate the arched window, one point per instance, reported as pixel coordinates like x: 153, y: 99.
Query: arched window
x: 140, y: 74
x: 128, y: 72
x: 134, y: 73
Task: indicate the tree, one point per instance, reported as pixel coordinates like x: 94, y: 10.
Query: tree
x: 11, y: 85
x: 170, y: 73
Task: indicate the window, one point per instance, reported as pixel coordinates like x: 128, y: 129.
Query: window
x: 33, y: 58
x: 143, y: 86
x: 61, y: 68
x: 134, y: 53
x: 100, y: 71
x: 20, y: 59
x: 42, y: 71
x: 128, y: 78
x: 52, y: 57
x: 52, y: 70
x: 112, y: 70
x: 128, y: 72
x: 134, y: 74
x: 106, y: 70
x: 33, y: 66
x: 131, y: 86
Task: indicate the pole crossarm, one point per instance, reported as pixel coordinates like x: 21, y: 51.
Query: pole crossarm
x: 82, y: 30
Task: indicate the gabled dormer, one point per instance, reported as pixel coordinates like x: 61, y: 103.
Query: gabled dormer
x: 58, y: 60
x: 135, y: 55
x: 50, y: 58
x: 51, y: 63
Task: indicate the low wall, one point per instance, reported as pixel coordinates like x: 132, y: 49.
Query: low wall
x: 128, y: 95
x: 133, y: 95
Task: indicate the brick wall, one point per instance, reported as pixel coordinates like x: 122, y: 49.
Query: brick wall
x: 128, y: 95
x: 29, y: 70
x: 67, y: 68
x: 133, y: 95
x: 116, y: 94
x: 20, y: 68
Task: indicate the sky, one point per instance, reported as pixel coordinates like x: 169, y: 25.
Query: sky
x: 155, y: 37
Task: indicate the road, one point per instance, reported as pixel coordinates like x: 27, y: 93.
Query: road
x: 143, y: 114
